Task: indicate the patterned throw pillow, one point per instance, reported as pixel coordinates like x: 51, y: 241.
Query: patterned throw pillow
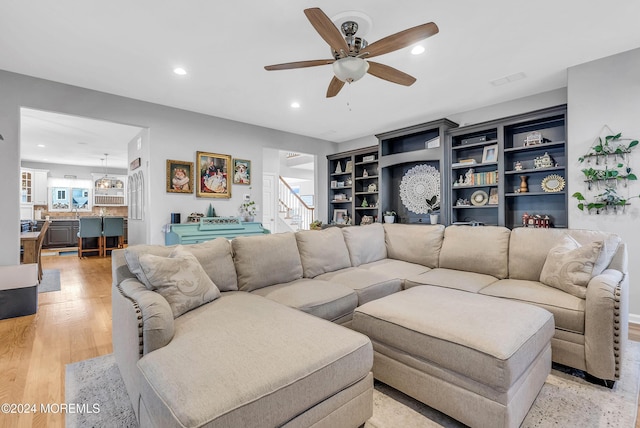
x: 180, y: 279
x: 570, y: 266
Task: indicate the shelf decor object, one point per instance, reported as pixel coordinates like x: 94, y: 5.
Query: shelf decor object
x: 611, y: 157
x: 523, y: 184
x: 418, y: 186
x: 552, y: 183
x: 479, y: 198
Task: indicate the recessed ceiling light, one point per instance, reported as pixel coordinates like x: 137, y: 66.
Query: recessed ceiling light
x: 417, y: 50
x: 41, y: 145
x: 180, y: 71
x: 295, y: 104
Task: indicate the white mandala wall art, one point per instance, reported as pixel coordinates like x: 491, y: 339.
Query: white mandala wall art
x: 420, y: 183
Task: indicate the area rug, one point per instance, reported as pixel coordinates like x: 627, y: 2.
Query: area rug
x: 50, y: 281
x: 565, y: 400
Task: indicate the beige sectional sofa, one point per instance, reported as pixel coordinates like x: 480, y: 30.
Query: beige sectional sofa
x: 329, y: 274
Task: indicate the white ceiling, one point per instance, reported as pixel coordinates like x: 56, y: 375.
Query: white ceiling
x: 62, y: 139
x: 130, y: 49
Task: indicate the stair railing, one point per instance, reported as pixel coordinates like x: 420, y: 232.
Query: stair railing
x: 297, y: 209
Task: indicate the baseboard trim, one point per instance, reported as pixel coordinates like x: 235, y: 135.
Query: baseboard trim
x: 634, y: 319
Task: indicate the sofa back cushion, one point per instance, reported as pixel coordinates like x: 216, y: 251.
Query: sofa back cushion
x: 264, y: 260
x: 414, y: 243
x: 322, y: 251
x: 214, y: 256
x: 365, y: 243
x: 480, y: 249
x: 180, y: 279
x: 528, y: 249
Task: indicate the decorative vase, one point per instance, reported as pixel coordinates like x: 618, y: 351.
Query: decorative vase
x: 389, y: 219
x: 434, y: 218
x: 248, y: 218
x: 523, y: 184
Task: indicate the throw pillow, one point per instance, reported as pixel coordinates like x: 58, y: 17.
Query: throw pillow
x: 570, y: 266
x: 180, y: 279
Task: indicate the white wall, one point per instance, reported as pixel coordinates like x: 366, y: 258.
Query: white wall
x: 174, y: 134
x: 607, y: 92
x: 496, y: 111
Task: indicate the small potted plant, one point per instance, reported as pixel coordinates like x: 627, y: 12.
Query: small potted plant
x: 433, y: 205
x: 248, y: 210
x: 316, y: 225
x: 389, y: 216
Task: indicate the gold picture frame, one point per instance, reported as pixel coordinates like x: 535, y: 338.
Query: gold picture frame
x: 179, y: 176
x: 214, y: 175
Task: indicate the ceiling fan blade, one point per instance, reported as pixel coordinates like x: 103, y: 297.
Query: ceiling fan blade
x: 326, y: 29
x: 390, y: 74
x: 402, y: 39
x: 334, y: 87
x: 299, y: 64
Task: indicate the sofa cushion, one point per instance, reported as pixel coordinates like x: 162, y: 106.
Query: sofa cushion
x: 568, y: 311
x: 322, y: 251
x: 395, y: 268
x: 327, y: 300
x: 369, y: 285
x: 365, y: 243
x: 569, y: 266
x: 528, y: 248
x: 480, y: 249
x: 214, y: 256
x: 458, y: 279
x: 267, y: 365
x: 216, y: 259
x: 263, y: 260
x: 180, y: 279
x: 414, y: 243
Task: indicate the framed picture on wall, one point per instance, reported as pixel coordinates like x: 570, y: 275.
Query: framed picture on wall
x: 179, y: 176
x: 214, y: 175
x: 241, y: 171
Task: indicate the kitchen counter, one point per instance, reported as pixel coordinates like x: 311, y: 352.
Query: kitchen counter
x: 63, y: 232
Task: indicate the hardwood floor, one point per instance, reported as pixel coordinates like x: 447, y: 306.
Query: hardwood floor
x: 71, y: 325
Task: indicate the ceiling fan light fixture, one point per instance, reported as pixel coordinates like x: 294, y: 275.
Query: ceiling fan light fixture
x: 417, y: 50
x: 350, y: 69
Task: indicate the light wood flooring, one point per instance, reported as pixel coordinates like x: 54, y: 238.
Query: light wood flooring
x: 71, y: 325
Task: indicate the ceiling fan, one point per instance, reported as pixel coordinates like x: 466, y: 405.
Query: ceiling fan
x: 349, y: 51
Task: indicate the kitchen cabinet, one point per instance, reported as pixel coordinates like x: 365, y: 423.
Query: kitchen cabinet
x: 64, y: 233
x: 33, y: 186
x: 61, y: 233
x: 40, y: 178
x: 109, y: 190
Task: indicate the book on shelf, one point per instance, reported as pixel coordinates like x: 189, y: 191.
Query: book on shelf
x: 477, y: 179
x: 464, y: 162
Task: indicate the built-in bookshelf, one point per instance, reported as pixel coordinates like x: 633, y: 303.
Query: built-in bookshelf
x: 500, y: 170
x: 353, y: 186
x: 405, y: 149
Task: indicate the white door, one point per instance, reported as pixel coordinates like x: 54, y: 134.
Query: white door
x: 269, y: 201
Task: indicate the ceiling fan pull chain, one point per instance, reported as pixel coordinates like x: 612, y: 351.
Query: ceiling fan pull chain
x: 349, y: 97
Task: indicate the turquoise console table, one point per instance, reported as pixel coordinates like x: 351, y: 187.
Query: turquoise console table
x: 209, y: 228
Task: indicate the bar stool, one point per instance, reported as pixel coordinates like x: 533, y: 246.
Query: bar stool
x: 90, y: 227
x: 112, y: 227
